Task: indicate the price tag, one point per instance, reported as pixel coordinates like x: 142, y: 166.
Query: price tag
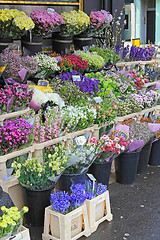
x: 98, y: 99
x: 80, y: 140
x: 50, y: 10
x: 76, y: 78
x: 109, y: 72
x: 86, y: 48
x: 18, y: 236
x: 19, y: 89
x: 92, y: 178
x: 123, y: 134
x: 40, y: 74
x: 43, y: 83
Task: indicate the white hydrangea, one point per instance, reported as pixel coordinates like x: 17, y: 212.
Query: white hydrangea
x: 47, y: 62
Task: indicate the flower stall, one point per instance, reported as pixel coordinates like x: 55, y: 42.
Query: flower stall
x: 70, y: 115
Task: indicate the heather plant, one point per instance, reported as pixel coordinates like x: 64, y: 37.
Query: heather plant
x: 14, y: 97
x: 15, y: 135
x: 45, y: 22
x: 15, y: 63
x: 86, y: 85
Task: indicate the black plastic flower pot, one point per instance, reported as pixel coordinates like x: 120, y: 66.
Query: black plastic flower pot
x: 154, y: 159
x: 37, y: 201
x: 144, y: 157
x: 62, y: 44
x: 31, y: 47
x: 4, y: 43
x: 126, y: 167
x: 81, y: 40
x: 101, y: 171
x: 66, y: 180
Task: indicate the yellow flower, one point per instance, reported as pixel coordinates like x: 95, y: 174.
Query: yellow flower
x: 25, y: 209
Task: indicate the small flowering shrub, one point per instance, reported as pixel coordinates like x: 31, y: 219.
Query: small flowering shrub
x: 14, y: 97
x: 14, y: 216
x: 148, y: 99
x: 41, y: 175
x: 86, y: 85
x: 75, y: 22
x: 46, y: 63
x: 15, y: 135
x: 95, y: 61
x: 45, y: 22
x: 14, y: 63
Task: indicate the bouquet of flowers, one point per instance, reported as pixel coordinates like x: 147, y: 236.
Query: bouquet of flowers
x: 99, y: 20
x: 14, y: 97
x: 14, y: 23
x: 14, y: 216
x: 34, y: 174
x: 15, y: 135
x: 75, y: 22
x: 139, y: 79
x: 45, y: 22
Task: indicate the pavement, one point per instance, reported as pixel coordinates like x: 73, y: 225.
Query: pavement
x: 135, y: 208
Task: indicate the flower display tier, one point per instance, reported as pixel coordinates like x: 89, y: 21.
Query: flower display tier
x: 124, y: 65
x: 70, y: 226
x: 12, y: 115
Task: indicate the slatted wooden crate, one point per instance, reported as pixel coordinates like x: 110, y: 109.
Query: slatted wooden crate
x: 66, y: 227
x: 12, y: 114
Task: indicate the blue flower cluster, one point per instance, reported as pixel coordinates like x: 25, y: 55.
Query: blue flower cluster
x: 87, y: 85
x: 136, y: 53
x: 63, y: 202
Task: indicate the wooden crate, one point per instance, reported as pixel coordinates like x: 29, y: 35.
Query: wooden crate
x: 15, y: 190
x: 66, y: 227
x: 98, y: 210
x: 11, y: 115
x: 4, y: 158
x: 123, y: 65
x: 24, y: 234
x: 147, y: 85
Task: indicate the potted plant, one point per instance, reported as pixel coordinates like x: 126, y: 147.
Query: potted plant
x: 74, y: 23
x: 38, y: 179
x: 109, y: 147
x: 14, y: 24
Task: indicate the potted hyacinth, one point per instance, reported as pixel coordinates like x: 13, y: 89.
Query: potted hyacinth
x: 45, y: 23
x: 38, y: 179
x: 75, y: 22
x: 109, y: 147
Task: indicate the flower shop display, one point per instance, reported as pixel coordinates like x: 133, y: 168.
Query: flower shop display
x: 14, y: 97
x: 15, y: 135
x: 75, y: 22
x: 86, y: 85
x: 95, y: 61
x: 19, y: 68
x: 45, y: 22
x: 47, y: 64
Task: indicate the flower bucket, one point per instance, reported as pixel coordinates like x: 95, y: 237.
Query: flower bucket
x: 154, y: 159
x: 4, y: 43
x: 62, y: 44
x: 81, y: 40
x: 37, y: 201
x: 73, y: 225
x: 101, y: 171
x: 34, y: 46
x: 66, y: 180
x: 126, y: 167
x: 144, y: 157
x: 98, y: 210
